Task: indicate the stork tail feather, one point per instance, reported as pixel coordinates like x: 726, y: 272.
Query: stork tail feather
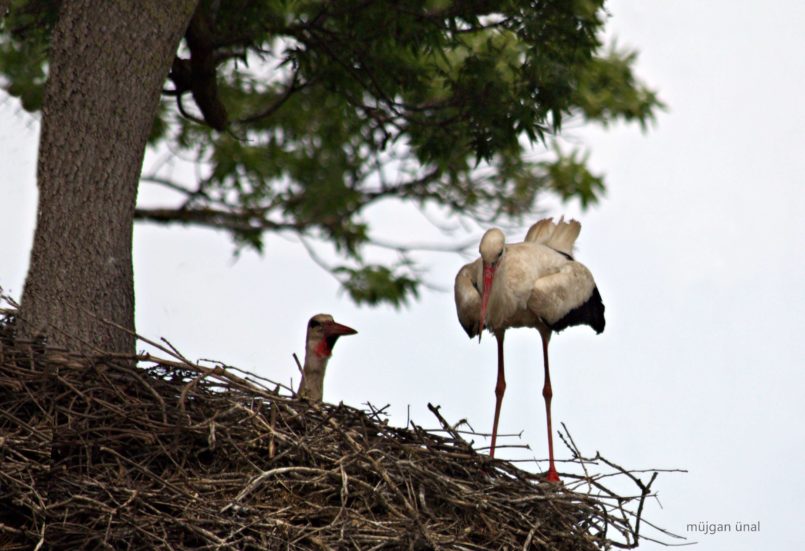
x: 560, y: 236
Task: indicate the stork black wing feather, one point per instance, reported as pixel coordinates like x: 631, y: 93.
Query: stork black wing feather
x: 590, y: 313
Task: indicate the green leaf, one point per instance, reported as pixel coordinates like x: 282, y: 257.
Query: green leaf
x: 570, y: 178
x: 336, y: 106
x: 374, y: 284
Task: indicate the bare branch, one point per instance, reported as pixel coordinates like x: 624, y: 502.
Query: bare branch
x: 214, y: 218
x: 185, y: 113
x: 433, y: 247
x: 175, y: 443
x: 170, y: 184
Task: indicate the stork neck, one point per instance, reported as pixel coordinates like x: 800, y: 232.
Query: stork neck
x: 323, y: 349
x: 312, y: 384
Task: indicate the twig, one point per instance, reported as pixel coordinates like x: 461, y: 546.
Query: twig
x: 142, y: 452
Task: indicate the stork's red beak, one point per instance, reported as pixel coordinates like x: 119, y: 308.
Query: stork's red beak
x: 489, y: 275
x: 333, y: 328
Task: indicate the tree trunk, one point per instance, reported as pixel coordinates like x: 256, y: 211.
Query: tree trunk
x: 108, y: 61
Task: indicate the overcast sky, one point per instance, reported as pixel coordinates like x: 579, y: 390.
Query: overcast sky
x: 697, y: 250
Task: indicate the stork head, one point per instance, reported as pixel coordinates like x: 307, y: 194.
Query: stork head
x: 492, y: 247
x: 322, y: 332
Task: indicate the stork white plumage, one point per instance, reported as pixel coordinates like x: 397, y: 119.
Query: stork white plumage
x: 322, y: 333
x: 535, y: 283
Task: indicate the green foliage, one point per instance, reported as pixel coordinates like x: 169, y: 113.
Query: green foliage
x: 609, y: 90
x: 24, y: 36
x: 325, y: 108
x: 375, y: 284
x: 570, y: 178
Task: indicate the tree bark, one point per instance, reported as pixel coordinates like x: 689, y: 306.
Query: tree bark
x: 108, y: 61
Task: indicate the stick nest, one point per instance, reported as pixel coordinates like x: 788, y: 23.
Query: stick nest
x: 114, y: 452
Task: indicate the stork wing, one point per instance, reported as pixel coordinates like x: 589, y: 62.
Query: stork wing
x: 568, y: 297
x: 468, y: 298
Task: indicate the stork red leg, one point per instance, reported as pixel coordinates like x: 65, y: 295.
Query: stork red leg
x: 547, y: 394
x: 500, y: 388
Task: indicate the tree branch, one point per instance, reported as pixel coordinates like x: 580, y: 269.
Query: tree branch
x: 292, y: 88
x: 170, y: 184
x: 213, y: 218
x: 184, y: 112
x: 430, y: 247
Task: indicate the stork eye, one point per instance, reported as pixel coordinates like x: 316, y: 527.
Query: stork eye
x: 313, y: 324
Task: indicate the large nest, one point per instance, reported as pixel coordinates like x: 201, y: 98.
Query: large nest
x: 106, y: 451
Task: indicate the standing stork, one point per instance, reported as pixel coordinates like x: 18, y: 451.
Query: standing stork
x: 322, y: 332
x: 535, y: 283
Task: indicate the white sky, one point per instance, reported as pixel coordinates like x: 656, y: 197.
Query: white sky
x: 697, y: 251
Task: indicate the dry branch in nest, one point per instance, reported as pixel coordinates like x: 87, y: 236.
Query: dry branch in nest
x: 113, y: 452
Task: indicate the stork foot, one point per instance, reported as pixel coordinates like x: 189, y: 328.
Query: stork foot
x: 552, y: 476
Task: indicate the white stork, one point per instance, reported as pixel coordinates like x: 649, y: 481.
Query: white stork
x: 531, y: 284
x: 322, y: 332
